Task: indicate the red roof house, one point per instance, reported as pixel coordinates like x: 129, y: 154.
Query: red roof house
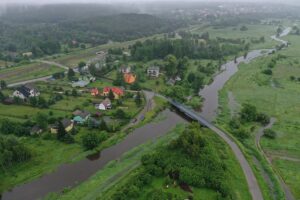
x: 117, y: 91
x: 94, y: 92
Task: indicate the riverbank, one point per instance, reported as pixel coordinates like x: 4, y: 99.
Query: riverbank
x: 249, y: 85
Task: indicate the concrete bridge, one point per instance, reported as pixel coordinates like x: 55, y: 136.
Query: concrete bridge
x: 253, y: 186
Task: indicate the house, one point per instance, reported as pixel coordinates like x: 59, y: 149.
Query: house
x: 94, y: 92
x: 118, y: 92
x: 129, y: 78
x: 125, y: 69
x: 27, y: 54
x: 104, y: 105
x: 68, y: 125
x: 81, y: 117
x: 153, y: 71
x: 80, y: 83
x: 36, y: 130
x: 94, y: 122
x: 26, y: 91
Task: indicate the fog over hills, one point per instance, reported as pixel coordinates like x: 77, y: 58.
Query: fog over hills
x: 136, y: 1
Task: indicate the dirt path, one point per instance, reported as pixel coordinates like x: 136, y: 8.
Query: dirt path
x: 232, y: 104
x: 288, y: 193
x: 53, y: 63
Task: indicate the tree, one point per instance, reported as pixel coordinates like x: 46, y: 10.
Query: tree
x: 81, y: 65
x: 33, y: 101
x: 111, y: 95
x: 269, y: 133
x: 61, y: 131
x: 2, y: 97
x: 138, y: 99
x: 120, y: 114
x: 71, y: 74
x: 42, y: 102
x: 90, y: 140
x: 267, y: 72
x: 74, y: 93
x: 3, y: 84
x: 171, y: 65
x: 248, y: 113
x: 42, y: 120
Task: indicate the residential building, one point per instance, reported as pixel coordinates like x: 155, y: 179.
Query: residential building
x: 26, y: 91
x: 80, y: 83
x: 104, y: 105
x: 125, y: 69
x: 81, y: 117
x: 118, y: 92
x: 129, y: 78
x: 95, y: 92
x: 153, y: 71
x: 67, y: 124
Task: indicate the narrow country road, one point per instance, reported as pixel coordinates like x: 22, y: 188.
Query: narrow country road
x: 53, y: 63
x: 253, y: 186
x: 287, y: 191
x: 45, y: 78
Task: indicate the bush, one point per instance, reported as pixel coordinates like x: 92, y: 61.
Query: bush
x: 263, y: 118
x: 90, y: 141
x: 269, y: 133
x: 267, y: 72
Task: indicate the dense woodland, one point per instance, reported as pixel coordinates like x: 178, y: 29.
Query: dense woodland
x: 11, y: 152
x: 22, y: 31
x: 199, y: 48
x: 191, y: 161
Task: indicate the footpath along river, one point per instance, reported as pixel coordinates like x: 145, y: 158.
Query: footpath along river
x: 71, y: 174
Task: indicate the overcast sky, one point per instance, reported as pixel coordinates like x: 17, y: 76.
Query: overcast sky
x: 117, y: 1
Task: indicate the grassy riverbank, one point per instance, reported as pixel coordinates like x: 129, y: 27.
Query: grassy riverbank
x: 107, y: 181
x: 59, y: 152
x: 276, y: 95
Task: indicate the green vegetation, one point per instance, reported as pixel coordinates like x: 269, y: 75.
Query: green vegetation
x: 27, y: 72
x: 185, y: 164
x: 60, y: 33
x: 12, y: 152
x: 276, y: 96
x: 122, y: 175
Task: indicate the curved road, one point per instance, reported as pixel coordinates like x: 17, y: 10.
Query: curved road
x: 250, y: 177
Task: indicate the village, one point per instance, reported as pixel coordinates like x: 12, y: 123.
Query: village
x: 76, y: 101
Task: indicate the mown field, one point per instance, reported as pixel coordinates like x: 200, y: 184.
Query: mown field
x: 278, y: 96
x: 27, y: 72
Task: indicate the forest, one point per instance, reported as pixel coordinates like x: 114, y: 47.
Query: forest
x: 188, y: 162
x: 21, y: 31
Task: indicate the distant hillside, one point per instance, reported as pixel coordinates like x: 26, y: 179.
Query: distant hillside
x: 45, y: 30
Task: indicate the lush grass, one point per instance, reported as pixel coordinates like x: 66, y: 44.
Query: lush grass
x: 290, y: 173
x: 114, y: 171
x: 277, y: 96
x: 237, y: 180
x: 27, y: 72
x: 254, y: 32
x: 40, y: 162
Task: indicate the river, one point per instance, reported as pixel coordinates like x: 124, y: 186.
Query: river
x: 210, y: 93
x: 71, y: 174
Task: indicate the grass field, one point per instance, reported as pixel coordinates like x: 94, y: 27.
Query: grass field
x: 278, y: 96
x: 27, y: 72
x: 254, y: 32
